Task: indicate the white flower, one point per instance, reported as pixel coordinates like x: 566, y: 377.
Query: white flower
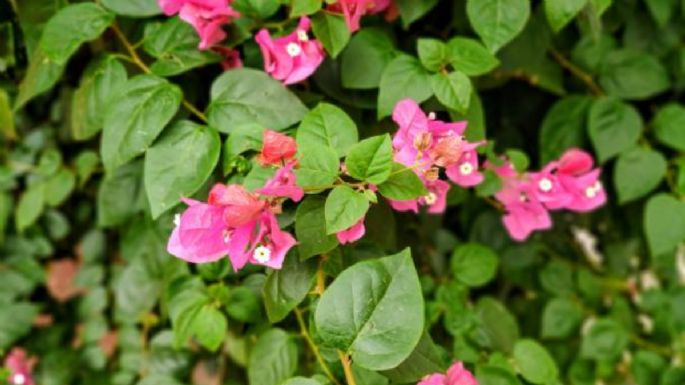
x: 18, y: 379
x: 466, y: 168
x: 545, y: 185
x: 262, y: 254
x: 293, y: 49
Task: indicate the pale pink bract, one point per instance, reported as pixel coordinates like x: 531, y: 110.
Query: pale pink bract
x: 20, y: 367
x: 352, y: 234
x: 207, y: 17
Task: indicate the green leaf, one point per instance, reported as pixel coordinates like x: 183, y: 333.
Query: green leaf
x: 210, y: 327
x: 496, y: 327
x: 402, y: 185
x: 135, y: 117
x: 470, y: 56
x: 453, y: 90
x: 432, y: 53
x: 412, y: 10
x: 495, y: 375
x: 560, y: 318
x: 534, y: 362
x: 330, y: 126
x: 304, y: 7
x: 374, y: 311
x: 344, y: 207
x: 563, y: 127
x: 273, y: 359
x: 319, y: 167
x: 59, y: 186
x: 637, y: 172
x: 371, y: 159
x: 244, y: 95
x: 301, y: 380
x: 647, y: 366
x: 664, y: 223
x: 425, y: 359
x: 662, y: 10
x: 41, y: 76
x: 633, y: 75
x: 474, y: 264
x: 331, y: 31
x: 120, y: 194
x: 561, y: 12
x: 475, y: 130
x: 668, y: 126
x: 259, y: 9
x: 30, y: 206
x: 179, y: 163
x: 497, y: 22
x: 72, y: 26
x: 363, y: 61
x: 133, y: 8
x: 102, y: 79
x: 6, y: 116
x: 86, y: 162
x: 613, y: 126
x: 16, y: 320
x: 404, y: 77
x: 174, y: 44
x: 310, y: 228
x: 286, y: 288
x: 605, y: 340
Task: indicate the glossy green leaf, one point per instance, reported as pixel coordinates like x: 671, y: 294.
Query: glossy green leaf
x: 273, y: 358
x: 120, y: 194
x: 561, y: 12
x: 40, y: 77
x: 633, y: 75
x: 474, y: 264
x: 59, y: 186
x: 371, y: 159
x: 605, y: 340
x: 310, y: 228
x: 453, y: 90
x: 613, y: 127
x: 304, y: 7
x: 330, y: 29
x: 179, y: 163
x: 402, y: 185
x: 330, y: 126
x: 373, y: 311
x: 425, y: 359
x: 101, y: 80
x: 6, y: 116
x: 30, y: 206
x: 403, y: 77
x: 432, y: 53
x: 496, y: 326
x: 561, y: 318
x: 344, y: 207
x: 133, y: 8
x: 412, y: 10
x: 210, y: 327
x: 637, y: 172
x: 15, y: 321
x: 470, y: 56
x: 243, y: 96
x: 370, y: 50
x: 137, y: 115
x: 664, y: 223
x: 534, y: 362
x: 563, y: 127
x: 497, y: 22
x: 72, y: 26
x: 668, y: 126
x: 319, y: 167
x: 284, y: 289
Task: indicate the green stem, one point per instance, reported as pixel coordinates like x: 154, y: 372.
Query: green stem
x: 313, y: 347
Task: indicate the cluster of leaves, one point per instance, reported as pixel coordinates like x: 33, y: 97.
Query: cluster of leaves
x: 102, y: 135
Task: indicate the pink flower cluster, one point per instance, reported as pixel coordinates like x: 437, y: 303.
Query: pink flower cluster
x: 291, y: 58
x: 569, y: 183
x: 20, y: 367
x: 207, y: 17
x: 428, y: 145
x: 353, y: 10
x: 456, y: 375
x: 240, y: 223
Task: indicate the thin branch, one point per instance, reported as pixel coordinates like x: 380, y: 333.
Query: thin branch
x: 578, y: 73
x: 313, y: 347
x: 347, y: 367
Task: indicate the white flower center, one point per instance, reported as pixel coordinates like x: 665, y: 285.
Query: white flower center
x: 431, y: 115
x: 262, y: 254
x: 302, y: 35
x: 293, y: 49
x: 593, y: 190
x: 545, y: 185
x: 430, y: 199
x: 466, y: 168
x: 177, y: 220
x: 18, y: 379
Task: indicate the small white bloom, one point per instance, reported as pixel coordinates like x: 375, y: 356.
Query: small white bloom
x: 466, y: 168
x: 177, y: 220
x: 646, y: 322
x: 293, y: 49
x: 302, y: 35
x: 262, y: 254
x: 680, y: 263
x: 545, y: 185
x: 590, y: 192
x: 431, y: 115
x: 588, y: 243
x: 649, y: 280
x: 430, y: 199
x: 18, y: 379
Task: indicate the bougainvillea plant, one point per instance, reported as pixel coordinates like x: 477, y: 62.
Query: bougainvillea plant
x: 359, y: 192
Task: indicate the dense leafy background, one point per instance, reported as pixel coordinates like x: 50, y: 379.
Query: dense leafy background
x: 90, y: 145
